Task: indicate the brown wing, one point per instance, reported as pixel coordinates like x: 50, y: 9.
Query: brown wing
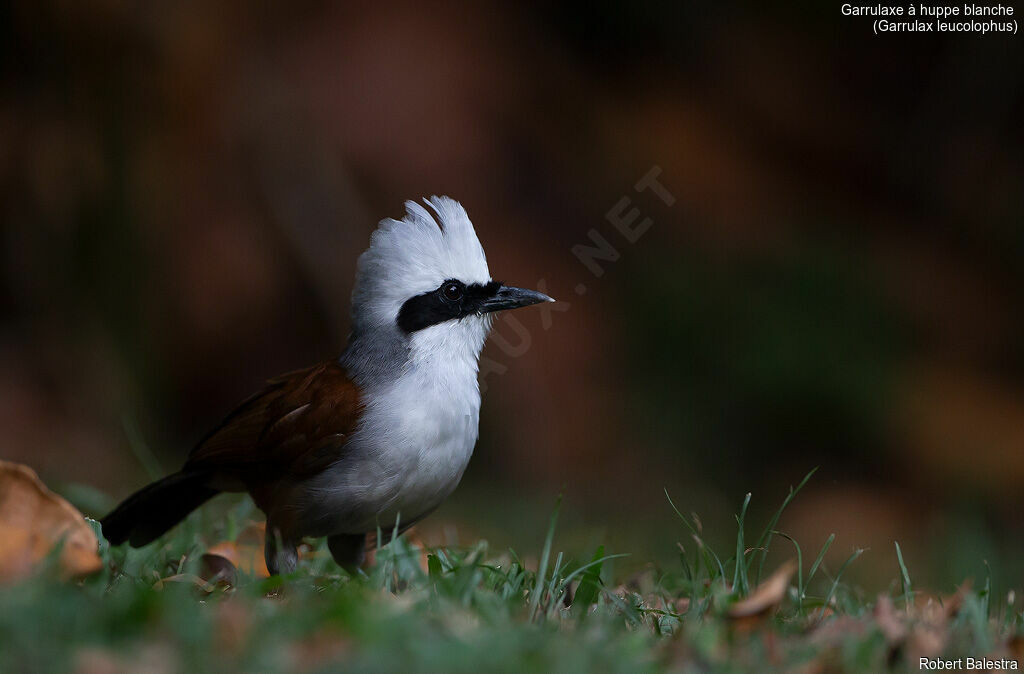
x: 295, y: 426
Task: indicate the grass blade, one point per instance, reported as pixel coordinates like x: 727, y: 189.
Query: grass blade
x: 821, y: 556
x: 908, y: 592
x: 555, y: 571
x: 683, y: 518
x: 598, y: 561
x: 739, y: 575
x: 835, y: 583
x: 706, y: 552
x: 766, y: 536
x: 986, y: 592
x: 590, y: 583
x: 799, y: 569
x: 538, y: 587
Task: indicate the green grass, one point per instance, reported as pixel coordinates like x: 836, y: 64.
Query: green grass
x: 475, y: 609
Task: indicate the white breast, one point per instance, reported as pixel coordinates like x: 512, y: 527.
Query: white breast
x: 414, y: 441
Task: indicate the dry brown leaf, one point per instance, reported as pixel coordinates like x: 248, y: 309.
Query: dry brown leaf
x: 245, y: 553
x: 767, y: 595
x: 925, y: 642
x: 217, y: 570
x: 892, y: 624
x: 930, y: 633
x: 834, y: 633
x: 923, y: 628
x: 186, y: 579
x: 930, y: 610
x: 955, y: 601
x: 33, y: 520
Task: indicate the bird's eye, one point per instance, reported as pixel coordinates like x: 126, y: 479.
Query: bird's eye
x: 452, y: 291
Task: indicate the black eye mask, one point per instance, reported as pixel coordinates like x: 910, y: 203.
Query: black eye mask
x: 452, y: 300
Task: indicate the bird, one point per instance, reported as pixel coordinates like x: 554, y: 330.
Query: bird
x: 373, y: 440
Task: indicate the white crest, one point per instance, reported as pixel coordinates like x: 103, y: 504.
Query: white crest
x: 415, y: 255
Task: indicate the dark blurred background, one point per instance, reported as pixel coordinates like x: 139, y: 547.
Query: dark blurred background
x: 185, y: 187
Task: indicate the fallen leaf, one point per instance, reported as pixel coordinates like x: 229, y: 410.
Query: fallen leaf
x: 930, y: 634
x: 767, y: 595
x: 892, y: 624
x: 955, y: 601
x: 245, y: 553
x: 217, y: 570
x: 33, y: 520
x: 185, y: 579
x: 926, y: 641
x: 930, y: 610
x: 834, y: 633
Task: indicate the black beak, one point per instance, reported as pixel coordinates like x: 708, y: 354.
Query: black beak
x: 513, y: 298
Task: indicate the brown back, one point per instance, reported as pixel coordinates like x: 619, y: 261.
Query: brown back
x: 296, y: 426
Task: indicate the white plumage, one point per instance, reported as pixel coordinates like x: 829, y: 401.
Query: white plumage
x: 419, y: 427
x: 414, y: 255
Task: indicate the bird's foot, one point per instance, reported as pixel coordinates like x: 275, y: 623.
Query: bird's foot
x: 348, y: 550
x: 281, y: 554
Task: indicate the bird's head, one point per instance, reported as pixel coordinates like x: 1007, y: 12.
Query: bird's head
x: 426, y: 276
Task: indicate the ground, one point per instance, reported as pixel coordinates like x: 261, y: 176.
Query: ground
x: 196, y: 601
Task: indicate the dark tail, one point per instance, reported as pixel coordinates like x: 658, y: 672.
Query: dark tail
x: 151, y: 511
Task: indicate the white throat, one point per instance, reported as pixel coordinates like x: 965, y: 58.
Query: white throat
x: 450, y: 349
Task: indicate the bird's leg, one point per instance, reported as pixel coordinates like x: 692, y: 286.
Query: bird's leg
x: 280, y: 553
x: 348, y: 550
